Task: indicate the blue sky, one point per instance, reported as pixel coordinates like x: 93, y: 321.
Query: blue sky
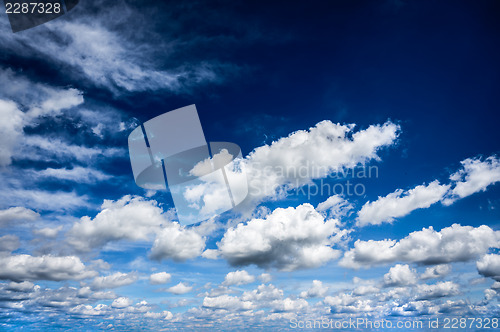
x: 406, y: 88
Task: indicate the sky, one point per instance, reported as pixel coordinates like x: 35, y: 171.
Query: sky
x: 390, y: 108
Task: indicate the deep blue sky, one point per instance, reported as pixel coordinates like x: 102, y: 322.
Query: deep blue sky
x: 257, y: 72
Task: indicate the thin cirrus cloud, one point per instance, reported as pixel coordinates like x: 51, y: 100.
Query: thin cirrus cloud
x: 106, y: 56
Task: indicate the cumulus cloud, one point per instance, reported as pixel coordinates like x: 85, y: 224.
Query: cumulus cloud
x: 114, y: 280
x: 437, y: 271
x: 287, y: 239
x: 121, y: 302
x: 400, y: 203
x: 131, y: 218
x: 177, y: 243
x: 180, y: 288
x: 400, y: 275
x: 227, y: 302
x: 9, y: 243
x: 26, y: 267
x: 17, y: 214
x: 294, y: 161
x: 476, y: 175
x: 440, y: 289
x: 489, y: 266
x: 452, y: 244
x: 48, y: 231
x: 240, y: 277
x: 159, y: 278
x: 317, y: 290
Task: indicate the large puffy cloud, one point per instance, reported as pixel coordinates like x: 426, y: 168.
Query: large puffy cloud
x: 489, y: 266
x: 452, y: 244
x: 287, y: 239
x: 178, y: 243
x: 137, y: 219
x: 305, y: 155
x: 131, y: 218
x: 26, y: 267
x: 476, y: 175
x: 400, y: 203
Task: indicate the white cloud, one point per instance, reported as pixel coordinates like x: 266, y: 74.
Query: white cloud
x: 317, y: 290
x: 335, y: 206
x: 114, y: 280
x: 240, y: 277
x: 9, y: 243
x: 44, y: 200
x: 180, y: 289
x: 400, y: 275
x: 400, y: 203
x: 48, y: 231
x: 437, y: 271
x: 26, y: 267
x: 227, y: 302
x: 178, y: 243
x: 94, y: 47
x: 365, y: 289
x: 53, y: 149
x: 77, y: 174
x: 452, y: 244
x: 263, y: 294
x: 159, y: 278
x: 131, y: 218
x: 265, y: 277
x: 489, y: 266
x: 288, y: 304
x: 17, y: 214
x: 476, y: 175
x: 440, y: 289
x: 159, y: 315
x: 25, y: 286
x: 11, y: 130
x: 295, y: 160
x: 287, y: 239
x: 121, y: 302
x: 346, y: 303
